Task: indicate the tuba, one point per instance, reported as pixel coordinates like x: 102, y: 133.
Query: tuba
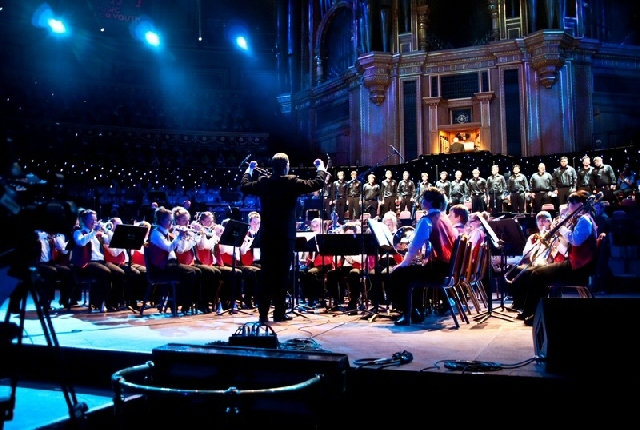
x: 402, y: 237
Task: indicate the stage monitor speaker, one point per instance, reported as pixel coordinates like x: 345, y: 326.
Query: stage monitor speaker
x: 585, y: 336
x: 225, y: 367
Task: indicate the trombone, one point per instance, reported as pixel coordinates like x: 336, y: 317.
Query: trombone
x: 545, y: 240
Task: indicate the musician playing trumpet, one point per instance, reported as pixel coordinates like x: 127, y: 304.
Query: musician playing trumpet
x: 579, y: 230
x: 208, y: 278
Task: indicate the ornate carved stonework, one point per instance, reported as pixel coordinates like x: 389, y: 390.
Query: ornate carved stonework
x: 547, y: 50
x: 376, y: 68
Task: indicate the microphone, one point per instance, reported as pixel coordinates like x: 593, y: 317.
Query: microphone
x: 396, y: 151
x: 246, y: 159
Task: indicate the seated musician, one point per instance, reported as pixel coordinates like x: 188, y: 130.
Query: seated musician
x: 244, y: 262
x: 53, y: 269
x: 380, y: 266
x: 207, y: 250
x: 580, y: 232
x: 534, y: 254
x: 459, y: 216
x: 312, y: 279
x: 135, y: 274
x: 88, y: 261
x: 345, y: 277
x: 475, y: 229
x: 437, y: 235
x: 208, y: 278
x: 163, y: 264
x: 137, y: 255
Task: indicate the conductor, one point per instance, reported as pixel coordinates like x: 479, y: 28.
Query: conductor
x: 278, y: 195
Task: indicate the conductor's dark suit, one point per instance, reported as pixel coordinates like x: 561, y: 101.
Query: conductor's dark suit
x: 278, y: 197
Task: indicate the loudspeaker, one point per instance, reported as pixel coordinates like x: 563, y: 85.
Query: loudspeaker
x: 256, y: 383
x: 576, y: 335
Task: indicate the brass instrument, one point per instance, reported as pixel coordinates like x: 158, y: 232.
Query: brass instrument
x: 105, y: 226
x: 545, y: 240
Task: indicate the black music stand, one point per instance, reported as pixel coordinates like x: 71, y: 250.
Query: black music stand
x: 338, y: 244
x: 510, y: 230
x: 233, y: 235
x: 128, y: 237
x: 301, y: 245
x: 368, y: 246
x: 384, y: 240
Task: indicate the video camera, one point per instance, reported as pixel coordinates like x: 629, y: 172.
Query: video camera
x: 28, y: 204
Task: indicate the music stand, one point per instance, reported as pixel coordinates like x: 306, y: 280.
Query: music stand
x: 233, y: 235
x: 337, y: 244
x: 301, y: 245
x: 510, y: 229
x: 128, y: 237
x: 384, y: 239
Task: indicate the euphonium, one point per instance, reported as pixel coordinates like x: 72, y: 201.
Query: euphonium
x: 547, y: 239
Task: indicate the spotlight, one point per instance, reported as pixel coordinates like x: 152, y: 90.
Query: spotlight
x: 43, y: 17
x: 144, y: 30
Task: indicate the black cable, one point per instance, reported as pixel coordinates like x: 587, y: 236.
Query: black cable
x: 477, y: 366
x: 396, y: 359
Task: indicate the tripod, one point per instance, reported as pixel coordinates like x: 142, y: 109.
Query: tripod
x: 9, y: 331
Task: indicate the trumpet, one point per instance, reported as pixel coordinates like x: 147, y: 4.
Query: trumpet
x: 188, y: 231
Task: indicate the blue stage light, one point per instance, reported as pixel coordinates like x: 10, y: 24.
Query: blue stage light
x: 43, y: 17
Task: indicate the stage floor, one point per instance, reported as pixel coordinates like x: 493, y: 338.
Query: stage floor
x: 498, y: 339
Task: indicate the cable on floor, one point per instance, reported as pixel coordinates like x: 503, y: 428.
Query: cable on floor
x: 304, y: 344
x: 396, y: 359
x: 477, y: 366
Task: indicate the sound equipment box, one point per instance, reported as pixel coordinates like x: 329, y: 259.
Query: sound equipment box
x: 261, y: 376
x: 580, y: 335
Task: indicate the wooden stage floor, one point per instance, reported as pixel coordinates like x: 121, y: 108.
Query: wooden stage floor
x: 500, y: 349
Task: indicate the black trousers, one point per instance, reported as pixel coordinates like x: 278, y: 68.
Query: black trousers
x: 355, y: 207
x: 542, y: 277
x: 517, y: 202
x: 477, y: 203
x: 496, y: 203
